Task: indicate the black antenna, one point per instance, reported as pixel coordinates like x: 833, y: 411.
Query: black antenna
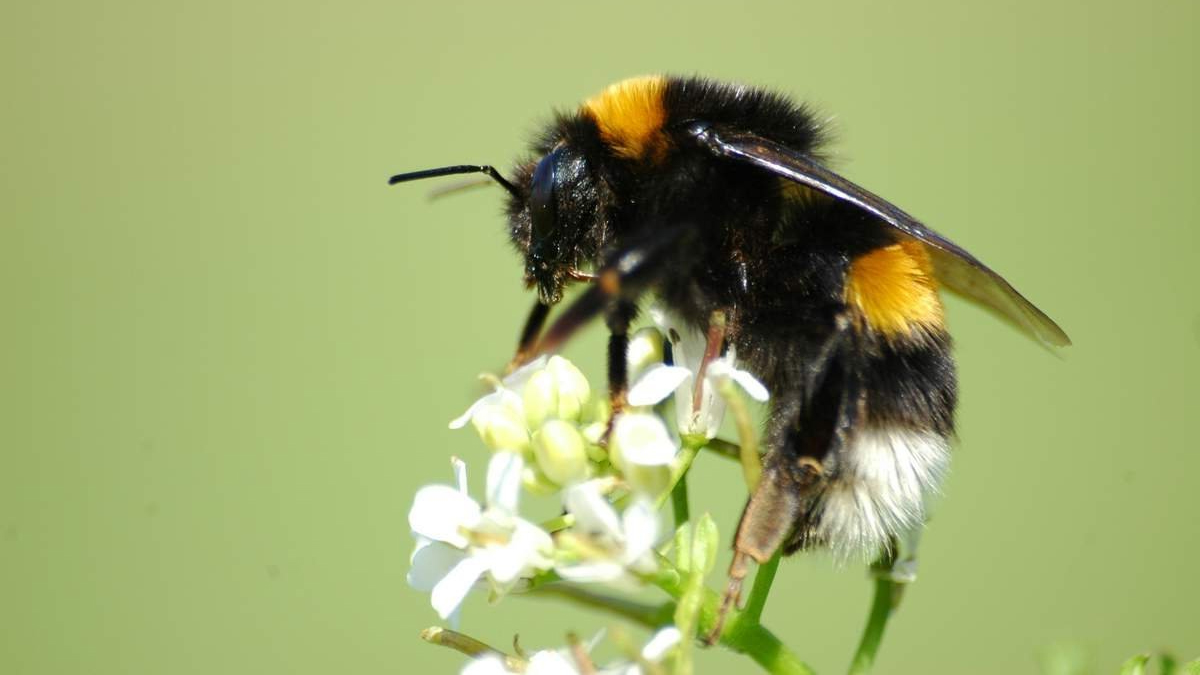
x: 453, y: 170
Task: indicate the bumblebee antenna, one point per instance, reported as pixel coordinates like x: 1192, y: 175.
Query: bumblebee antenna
x: 454, y: 170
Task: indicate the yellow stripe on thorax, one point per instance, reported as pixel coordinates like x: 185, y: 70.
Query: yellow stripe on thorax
x: 630, y: 115
x: 894, y: 290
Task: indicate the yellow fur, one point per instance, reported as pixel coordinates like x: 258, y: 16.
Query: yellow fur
x: 630, y: 116
x: 895, y: 291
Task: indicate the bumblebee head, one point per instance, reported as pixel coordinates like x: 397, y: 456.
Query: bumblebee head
x: 558, y: 225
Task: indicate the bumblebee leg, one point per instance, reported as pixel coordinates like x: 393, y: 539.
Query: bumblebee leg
x: 625, y: 276
x: 529, y: 334
x: 809, y: 430
x: 714, y: 343
x: 619, y: 317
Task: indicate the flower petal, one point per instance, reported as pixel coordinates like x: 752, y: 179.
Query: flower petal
x: 461, y: 421
x: 430, y: 562
x: 594, y: 516
x: 517, y: 378
x: 439, y: 511
x: 529, y: 547
x: 640, y: 522
x: 448, y: 594
x: 504, y: 481
x: 460, y: 474
x: 723, y: 368
x: 548, y: 662
x: 662, y: 641
x: 591, y: 572
x: 486, y: 665
x: 657, y: 383
x: 643, y: 439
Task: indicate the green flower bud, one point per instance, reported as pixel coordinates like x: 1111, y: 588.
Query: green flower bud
x: 540, y: 398
x: 501, y: 428
x: 560, y: 452
x: 705, y: 541
x: 536, y: 483
x: 645, y: 349
x: 647, y: 480
x: 599, y: 410
x: 573, y: 388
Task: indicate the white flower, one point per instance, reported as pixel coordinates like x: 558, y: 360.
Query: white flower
x: 643, y: 450
x: 543, y: 662
x: 459, y: 541
x: 504, y: 403
x: 657, y: 649
x: 661, y: 380
x: 607, y: 544
x: 562, y: 661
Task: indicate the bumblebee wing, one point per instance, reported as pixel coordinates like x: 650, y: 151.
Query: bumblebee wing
x: 956, y: 269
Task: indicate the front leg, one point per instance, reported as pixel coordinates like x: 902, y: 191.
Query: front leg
x: 529, y: 335
x: 625, y: 275
x: 620, y: 315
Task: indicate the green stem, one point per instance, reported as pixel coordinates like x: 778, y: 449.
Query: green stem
x: 740, y: 634
x: 748, y: 453
x: 762, y: 588
x: 886, y: 594
x: 468, y: 645
x: 686, y: 456
x: 724, y: 448
x: 679, y: 501
x: 651, y: 616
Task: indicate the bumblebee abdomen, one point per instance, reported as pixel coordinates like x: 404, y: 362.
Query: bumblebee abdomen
x: 892, y: 289
x: 879, y: 491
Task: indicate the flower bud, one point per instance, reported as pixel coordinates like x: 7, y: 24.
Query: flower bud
x: 599, y: 410
x: 705, y: 541
x: 535, y: 482
x: 540, y: 398
x: 593, y: 434
x: 642, y: 449
x: 573, y: 388
x: 560, y: 452
x: 501, y: 427
x: 640, y: 439
x: 645, y: 349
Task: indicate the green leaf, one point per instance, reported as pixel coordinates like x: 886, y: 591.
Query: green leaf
x: 683, y: 547
x: 705, y: 541
x: 1192, y: 668
x: 1136, y: 665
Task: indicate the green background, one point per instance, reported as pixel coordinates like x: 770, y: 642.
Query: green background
x: 230, y: 351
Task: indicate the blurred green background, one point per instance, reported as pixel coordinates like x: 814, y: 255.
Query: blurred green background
x: 230, y: 351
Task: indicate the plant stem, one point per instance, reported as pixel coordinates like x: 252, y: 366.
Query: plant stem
x: 686, y: 456
x: 724, y: 448
x: 762, y: 588
x: 679, y: 501
x: 886, y: 595
x: 740, y: 634
x: 651, y: 616
x: 748, y: 453
x: 466, y: 644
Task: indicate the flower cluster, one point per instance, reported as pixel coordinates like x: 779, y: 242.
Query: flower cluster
x: 549, y: 436
x: 565, y: 662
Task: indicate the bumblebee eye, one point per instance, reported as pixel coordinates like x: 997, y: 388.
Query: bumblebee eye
x: 541, y: 196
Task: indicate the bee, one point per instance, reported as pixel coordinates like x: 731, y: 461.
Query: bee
x: 715, y: 198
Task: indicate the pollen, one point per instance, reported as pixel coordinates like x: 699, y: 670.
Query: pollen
x: 630, y: 115
x: 894, y: 289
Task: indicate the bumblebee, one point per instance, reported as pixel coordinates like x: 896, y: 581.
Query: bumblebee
x: 714, y: 197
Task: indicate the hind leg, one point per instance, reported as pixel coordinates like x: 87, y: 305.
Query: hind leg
x: 809, y: 426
